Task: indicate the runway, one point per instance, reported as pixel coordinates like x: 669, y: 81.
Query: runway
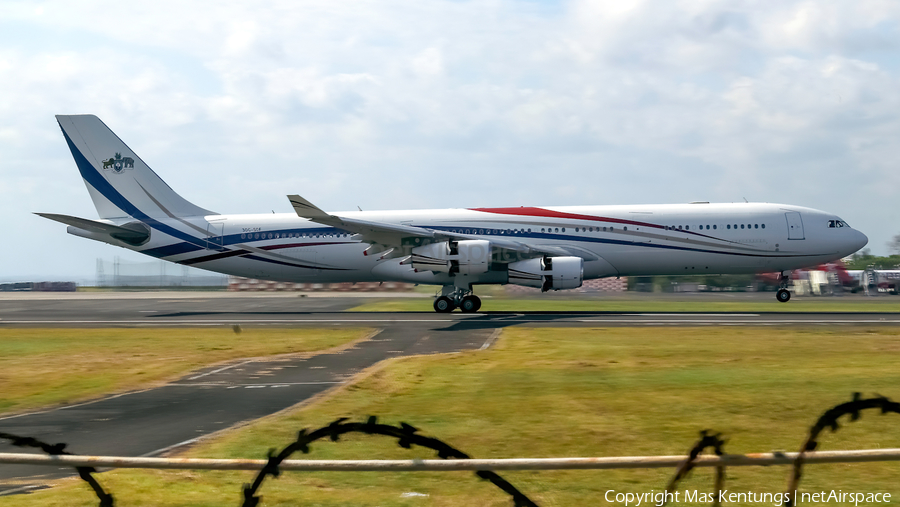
x: 292, y: 310
x: 151, y: 421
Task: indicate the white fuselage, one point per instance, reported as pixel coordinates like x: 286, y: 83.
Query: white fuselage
x: 683, y: 239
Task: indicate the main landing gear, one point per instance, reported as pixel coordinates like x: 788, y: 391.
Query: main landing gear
x: 783, y: 295
x: 453, y: 297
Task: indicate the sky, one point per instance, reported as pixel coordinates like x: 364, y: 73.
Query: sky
x: 396, y: 104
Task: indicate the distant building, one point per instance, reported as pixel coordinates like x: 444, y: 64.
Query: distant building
x: 239, y: 284
x: 38, y: 287
x: 597, y: 285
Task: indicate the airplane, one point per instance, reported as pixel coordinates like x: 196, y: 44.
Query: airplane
x: 550, y: 248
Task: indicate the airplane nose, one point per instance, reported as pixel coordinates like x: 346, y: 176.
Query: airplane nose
x: 859, y: 240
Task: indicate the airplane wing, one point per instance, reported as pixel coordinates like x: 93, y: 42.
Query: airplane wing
x: 382, y: 233
x: 397, y: 236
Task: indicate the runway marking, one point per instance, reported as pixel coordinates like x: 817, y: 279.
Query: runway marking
x: 232, y: 386
x: 219, y: 322
x: 693, y: 314
x: 559, y: 320
x: 27, y: 487
x: 221, y: 369
x: 169, y: 448
x: 67, y: 407
x: 490, y: 340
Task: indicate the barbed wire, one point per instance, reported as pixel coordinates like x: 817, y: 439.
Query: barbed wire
x: 406, y: 436
x: 706, y: 440
x: 86, y: 473
x: 829, y: 420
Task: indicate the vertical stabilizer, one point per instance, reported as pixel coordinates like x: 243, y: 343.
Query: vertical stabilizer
x: 120, y: 183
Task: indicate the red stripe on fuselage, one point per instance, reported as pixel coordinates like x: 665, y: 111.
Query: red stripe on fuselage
x: 546, y: 213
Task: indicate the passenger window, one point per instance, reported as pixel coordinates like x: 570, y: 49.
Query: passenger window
x: 714, y: 226
x: 763, y: 226
x: 728, y: 226
x: 625, y: 228
x: 564, y: 229
x: 742, y: 226
x: 756, y: 226
x: 557, y: 229
x: 687, y: 227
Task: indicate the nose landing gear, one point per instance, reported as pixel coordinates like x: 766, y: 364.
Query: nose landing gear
x: 783, y: 295
x: 453, y: 297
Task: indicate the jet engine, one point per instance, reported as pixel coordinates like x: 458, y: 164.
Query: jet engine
x: 548, y: 273
x: 469, y: 257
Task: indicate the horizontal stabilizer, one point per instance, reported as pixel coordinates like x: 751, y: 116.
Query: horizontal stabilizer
x: 134, y: 233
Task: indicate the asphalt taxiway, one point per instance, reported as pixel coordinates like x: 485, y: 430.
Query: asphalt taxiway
x: 315, y: 310
x: 152, y: 421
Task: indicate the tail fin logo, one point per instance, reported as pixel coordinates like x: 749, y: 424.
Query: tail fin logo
x: 118, y: 164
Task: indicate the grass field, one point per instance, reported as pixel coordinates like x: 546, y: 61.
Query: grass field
x: 566, y: 392
x: 628, y: 304
x: 40, y: 367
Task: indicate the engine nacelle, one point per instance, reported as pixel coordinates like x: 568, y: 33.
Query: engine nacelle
x: 469, y: 257
x: 548, y: 273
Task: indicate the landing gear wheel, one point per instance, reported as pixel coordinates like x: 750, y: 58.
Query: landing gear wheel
x: 470, y: 304
x: 444, y: 304
x: 783, y: 295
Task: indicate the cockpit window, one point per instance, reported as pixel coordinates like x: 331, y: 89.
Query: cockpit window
x: 833, y: 224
